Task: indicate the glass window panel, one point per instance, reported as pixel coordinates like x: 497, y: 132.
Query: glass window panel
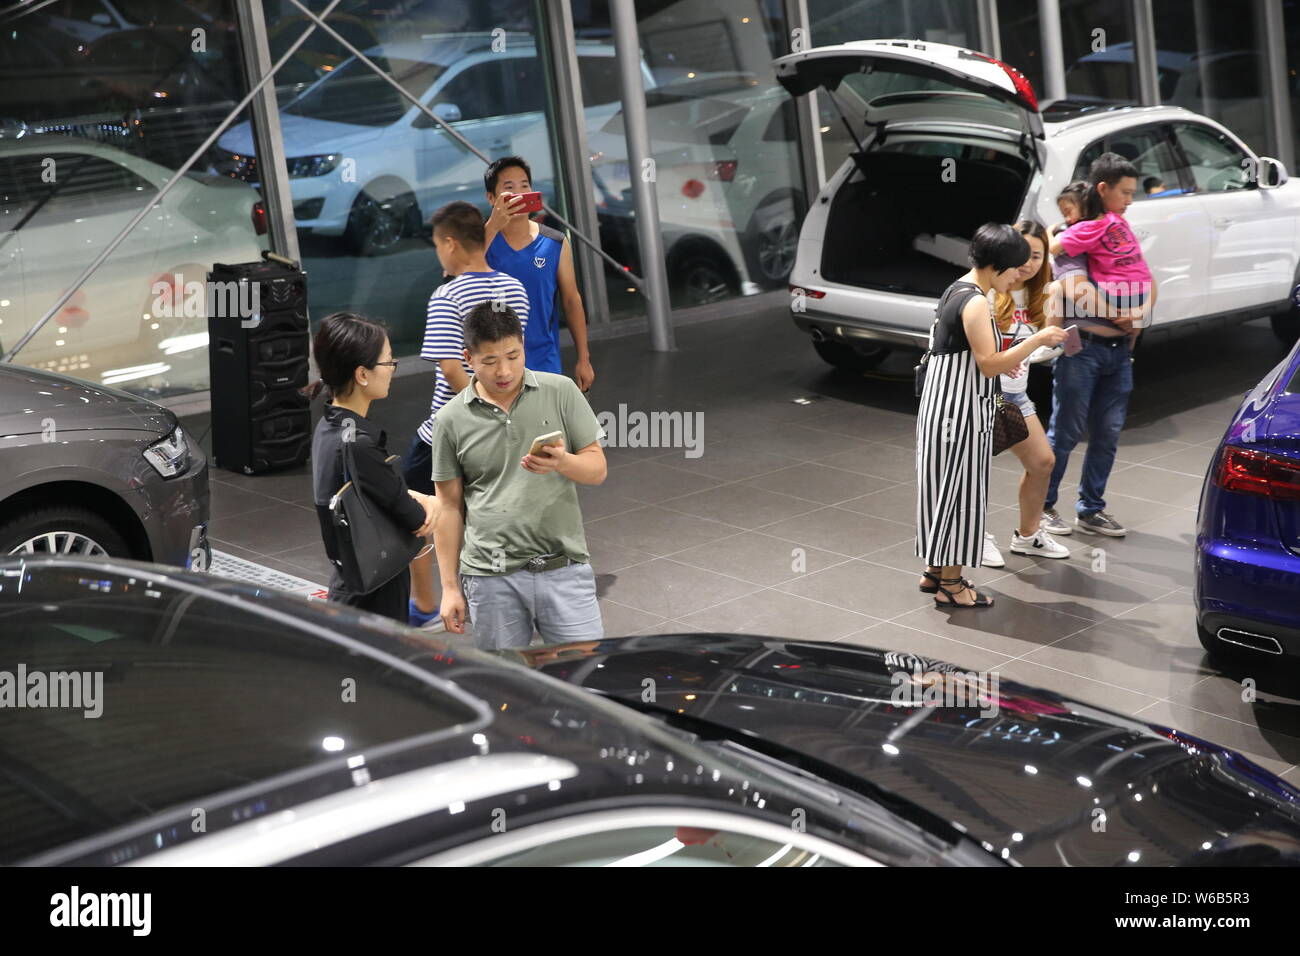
x: 834, y: 21
x: 730, y: 193
x: 1097, y: 44
x: 373, y: 170
x: 1213, y: 51
x: 100, y: 104
x: 355, y: 94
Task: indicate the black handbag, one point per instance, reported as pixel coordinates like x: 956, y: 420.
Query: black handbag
x: 1009, y: 426
x: 372, y: 548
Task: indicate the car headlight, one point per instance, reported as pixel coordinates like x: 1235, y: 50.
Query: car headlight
x: 170, y: 456
x: 300, y: 167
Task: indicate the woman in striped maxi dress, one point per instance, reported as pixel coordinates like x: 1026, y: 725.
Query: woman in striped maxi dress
x: 954, y: 425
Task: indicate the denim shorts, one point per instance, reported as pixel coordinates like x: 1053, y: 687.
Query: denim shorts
x: 1022, y: 401
x: 560, y: 603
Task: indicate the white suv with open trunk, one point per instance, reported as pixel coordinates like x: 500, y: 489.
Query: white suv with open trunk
x: 952, y: 139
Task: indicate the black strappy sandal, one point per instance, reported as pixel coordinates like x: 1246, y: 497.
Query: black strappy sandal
x: 981, y: 600
x: 934, y: 588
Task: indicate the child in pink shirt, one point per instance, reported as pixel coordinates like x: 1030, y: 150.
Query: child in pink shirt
x: 1115, y: 262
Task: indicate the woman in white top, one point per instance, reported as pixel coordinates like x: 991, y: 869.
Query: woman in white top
x: 1019, y: 313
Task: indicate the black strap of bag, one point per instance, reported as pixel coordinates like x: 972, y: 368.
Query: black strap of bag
x: 1009, y: 426
x: 373, y: 549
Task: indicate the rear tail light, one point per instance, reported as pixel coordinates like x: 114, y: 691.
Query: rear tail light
x: 692, y: 189
x: 259, y: 217
x: 1018, y: 80
x: 809, y: 293
x: 1258, y: 473
x: 725, y: 170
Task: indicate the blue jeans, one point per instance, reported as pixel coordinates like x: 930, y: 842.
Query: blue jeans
x: 1090, y: 392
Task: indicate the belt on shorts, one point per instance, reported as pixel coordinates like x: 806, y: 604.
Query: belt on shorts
x: 547, y: 562
x: 1113, y: 341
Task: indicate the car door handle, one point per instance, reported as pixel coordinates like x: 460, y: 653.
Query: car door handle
x: 1222, y: 222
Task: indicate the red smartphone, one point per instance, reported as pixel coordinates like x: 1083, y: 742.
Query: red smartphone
x: 526, y: 202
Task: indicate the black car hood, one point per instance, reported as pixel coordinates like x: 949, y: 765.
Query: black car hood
x: 28, y: 397
x: 1037, y: 778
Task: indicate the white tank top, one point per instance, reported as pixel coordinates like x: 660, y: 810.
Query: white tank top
x: 1019, y: 330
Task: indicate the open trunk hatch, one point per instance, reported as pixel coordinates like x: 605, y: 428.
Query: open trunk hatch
x: 881, y: 70
x: 899, y: 225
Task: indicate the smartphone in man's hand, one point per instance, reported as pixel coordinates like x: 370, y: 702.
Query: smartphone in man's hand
x: 526, y: 202
x: 549, y: 440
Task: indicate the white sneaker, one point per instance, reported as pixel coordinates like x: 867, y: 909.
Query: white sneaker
x: 992, y: 556
x: 1040, y: 544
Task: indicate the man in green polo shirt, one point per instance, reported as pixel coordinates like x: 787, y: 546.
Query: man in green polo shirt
x: 509, y: 538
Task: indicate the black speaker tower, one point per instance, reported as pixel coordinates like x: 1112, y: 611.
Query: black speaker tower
x: 258, y: 356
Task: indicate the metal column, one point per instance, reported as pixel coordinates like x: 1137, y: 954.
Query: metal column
x: 569, y: 138
x: 627, y: 47
x: 990, y: 40
x: 806, y: 113
x: 1277, y: 101
x: 1049, y: 28
x: 1144, y: 48
x: 268, y: 144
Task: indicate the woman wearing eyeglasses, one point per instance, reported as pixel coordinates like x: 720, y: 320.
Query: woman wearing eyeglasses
x: 356, y: 366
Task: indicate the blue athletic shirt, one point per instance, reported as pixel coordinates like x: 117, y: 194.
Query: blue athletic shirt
x: 537, y: 266
x: 444, y: 330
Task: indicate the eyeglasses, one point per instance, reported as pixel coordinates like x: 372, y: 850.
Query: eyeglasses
x: 392, y: 364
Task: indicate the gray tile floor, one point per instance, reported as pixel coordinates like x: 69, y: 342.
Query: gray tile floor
x: 797, y: 521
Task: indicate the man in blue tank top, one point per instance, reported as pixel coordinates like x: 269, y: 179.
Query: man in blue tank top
x: 541, y: 259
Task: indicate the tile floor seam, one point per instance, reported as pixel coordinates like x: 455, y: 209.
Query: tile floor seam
x: 1094, y: 680
x: 817, y: 506
x: 824, y: 547
x: 1109, y: 618
x: 1210, y: 713
x: 664, y: 557
x: 761, y: 587
x: 800, y: 576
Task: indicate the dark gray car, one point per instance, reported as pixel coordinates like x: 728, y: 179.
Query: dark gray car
x: 89, y: 470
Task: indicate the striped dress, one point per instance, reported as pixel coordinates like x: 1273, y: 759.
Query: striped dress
x: 954, y: 440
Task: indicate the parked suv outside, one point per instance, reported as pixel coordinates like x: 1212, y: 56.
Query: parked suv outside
x: 952, y: 138
x: 367, y: 165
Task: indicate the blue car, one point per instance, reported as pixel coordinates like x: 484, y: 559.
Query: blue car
x: 1248, y: 528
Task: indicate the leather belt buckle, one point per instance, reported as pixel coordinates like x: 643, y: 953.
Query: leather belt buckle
x: 536, y: 564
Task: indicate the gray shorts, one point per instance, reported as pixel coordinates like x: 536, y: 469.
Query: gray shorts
x: 560, y: 604
x: 1022, y: 402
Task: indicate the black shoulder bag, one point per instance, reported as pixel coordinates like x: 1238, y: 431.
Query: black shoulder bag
x: 372, y: 548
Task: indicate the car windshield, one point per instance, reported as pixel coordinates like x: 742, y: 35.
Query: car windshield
x: 173, y: 696
x: 354, y: 94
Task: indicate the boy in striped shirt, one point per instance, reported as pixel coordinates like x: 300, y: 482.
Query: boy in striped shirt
x: 459, y: 238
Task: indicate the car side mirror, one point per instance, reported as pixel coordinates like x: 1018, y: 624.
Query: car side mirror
x: 447, y: 112
x: 1272, y: 172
